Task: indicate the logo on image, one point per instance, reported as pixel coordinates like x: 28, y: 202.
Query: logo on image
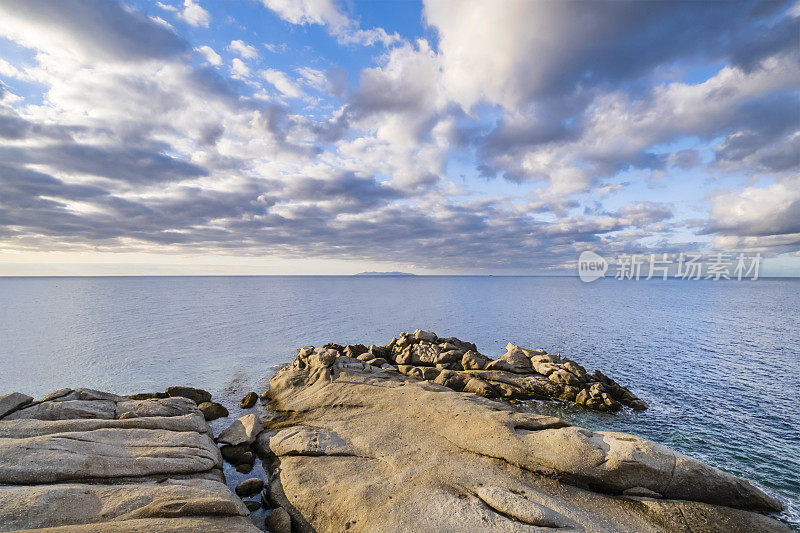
x: 591, y: 266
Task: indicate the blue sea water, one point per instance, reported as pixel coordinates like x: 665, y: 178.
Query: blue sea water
x: 718, y: 361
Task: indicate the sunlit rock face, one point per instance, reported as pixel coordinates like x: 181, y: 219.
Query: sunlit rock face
x: 358, y: 447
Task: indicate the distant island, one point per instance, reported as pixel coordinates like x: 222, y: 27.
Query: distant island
x: 384, y: 274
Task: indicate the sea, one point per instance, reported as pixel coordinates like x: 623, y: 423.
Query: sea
x: 718, y: 361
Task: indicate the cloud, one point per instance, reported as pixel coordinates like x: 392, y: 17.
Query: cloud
x: 325, y: 13
x: 134, y: 144
x: 239, y: 68
x: 282, y: 82
x: 167, y: 7
x: 93, y: 30
x: 542, y: 49
x: 194, y: 14
x: 211, y: 56
x: 243, y: 49
x: 757, y: 211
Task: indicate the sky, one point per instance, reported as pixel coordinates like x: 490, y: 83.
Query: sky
x: 433, y: 137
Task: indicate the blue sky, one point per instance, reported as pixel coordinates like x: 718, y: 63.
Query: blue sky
x: 316, y: 136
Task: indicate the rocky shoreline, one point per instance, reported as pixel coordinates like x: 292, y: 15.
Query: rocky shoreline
x: 414, y: 435
x: 519, y: 374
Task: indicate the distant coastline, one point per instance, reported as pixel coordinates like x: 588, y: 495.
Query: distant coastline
x: 384, y: 274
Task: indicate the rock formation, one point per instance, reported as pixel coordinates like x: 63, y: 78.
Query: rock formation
x: 519, y: 374
x: 357, y: 447
x: 84, y: 461
x: 397, y: 438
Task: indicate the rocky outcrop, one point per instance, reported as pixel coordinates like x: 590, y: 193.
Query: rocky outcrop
x: 357, y: 447
x: 11, y: 402
x: 84, y: 460
x: 519, y: 374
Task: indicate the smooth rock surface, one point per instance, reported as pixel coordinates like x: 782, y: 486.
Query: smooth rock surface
x: 244, y: 430
x: 369, y: 449
x: 84, y: 461
x: 11, y: 402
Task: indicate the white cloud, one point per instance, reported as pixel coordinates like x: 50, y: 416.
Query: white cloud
x: 758, y: 211
x: 239, y: 69
x: 325, y: 13
x: 282, y: 82
x: 314, y: 78
x: 242, y: 49
x: 9, y: 70
x: 194, y: 14
x: 211, y: 56
x: 321, y: 12
x: 167, y: 7
x: 275, y: 48
x: 162, y: 22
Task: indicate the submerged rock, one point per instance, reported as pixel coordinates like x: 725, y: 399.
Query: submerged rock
x: 249, y: 400
x: 369, y: 449
x: 248, y: 487
x: 198, y: 396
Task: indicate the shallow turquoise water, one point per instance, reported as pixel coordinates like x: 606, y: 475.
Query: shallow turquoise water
x: 719, y: 362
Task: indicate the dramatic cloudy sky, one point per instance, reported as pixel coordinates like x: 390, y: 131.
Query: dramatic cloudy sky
x: 448, y: 136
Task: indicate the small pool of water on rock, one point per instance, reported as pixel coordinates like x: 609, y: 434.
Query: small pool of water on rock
x: 718, y: 362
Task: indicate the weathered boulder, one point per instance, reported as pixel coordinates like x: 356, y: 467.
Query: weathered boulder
x: 421, y: 372
x: 514, y: 361
x: 238, y: 454
x: 448, y: 356
x: 176, y: 406
x: 422, y: 353
x: 248, y: 487
x: 44, y: 506
x: 305, y: 441
x: 105, y: 453
x: 375, y: 450
x: 565, y: 377
x: 26, y: 428
x: 252, y: 505
x: 278, y: 521
x: 480, y: 387
x: 213, y: 410
x: 67, y: 409
x: 472, y: 360
x: 427, y: 336
x: 198, y: 396
x: 147, y: 395
x: 11, y: 402
x: 243, y: 430
x: 249, y: 400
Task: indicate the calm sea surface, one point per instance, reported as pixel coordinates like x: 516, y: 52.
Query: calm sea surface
x: 719, y: 362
